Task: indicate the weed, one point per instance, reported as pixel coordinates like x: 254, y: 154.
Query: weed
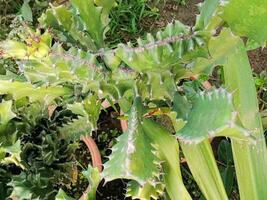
x: 127, y: 20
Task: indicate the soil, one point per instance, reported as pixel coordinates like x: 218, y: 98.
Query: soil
x: 108, y: 129
x: 171, y: 10
x: 258, y: 59
x: 110, y: 125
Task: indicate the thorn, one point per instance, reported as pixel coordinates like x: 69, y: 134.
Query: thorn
x: 247, y: 133
x: 234, y: 115
x: 211, y: 133
x: 231, y: 124
x: 100, y: 91
x: 209, y: 96
x: 229, y: 97
x: 216, y: 92
x: 152, y: 182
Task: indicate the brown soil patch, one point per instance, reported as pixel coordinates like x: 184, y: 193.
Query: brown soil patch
x: 258, y: 59
x: 171, y: 11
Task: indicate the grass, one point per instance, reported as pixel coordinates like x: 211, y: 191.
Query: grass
x: 9, y: 10
x: 129, y: 20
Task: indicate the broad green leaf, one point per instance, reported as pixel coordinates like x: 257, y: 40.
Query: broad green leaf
x: 20, y: 189
x: 247, y: 18
x: 146, y: 192
x: 181, y: 106
x: 26, y: 11
x: 207, y: 176
x: 250, y: 159
x: 163, y: 51
x: 90, y: 109
x: 6, y: 113
x: 14, y: 154
x: 84, y: 24
x: 73, y: 130
x: 23, y: 89
x: 67, y: 26
x: 33, y: 48
x: 203, y: 166
x: 133, y: 156
x: 106, y: 4
x: 61, y: 195
x: 91, y: 17
x: 219, y: 47
x: 228, y: 50
x: 94, y: 178
x: 168, y: 149
x: 207, y: 12
x: 212, y: 114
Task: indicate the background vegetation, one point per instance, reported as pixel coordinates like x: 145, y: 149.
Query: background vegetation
x: 57, y: 163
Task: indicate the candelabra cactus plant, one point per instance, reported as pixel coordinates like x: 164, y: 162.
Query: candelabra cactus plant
x: 80, y: 72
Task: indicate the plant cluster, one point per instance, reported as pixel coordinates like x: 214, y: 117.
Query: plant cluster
x: 68, y: 65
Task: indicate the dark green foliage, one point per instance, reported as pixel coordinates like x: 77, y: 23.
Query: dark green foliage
x: 47, y: 158
x: 226, y: 167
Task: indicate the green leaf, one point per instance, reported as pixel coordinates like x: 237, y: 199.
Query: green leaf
x: 132, y: 157
x: 26, y: 11
x: 228, y: 50
x: 212, y: 114
x: 90, y: 109
x: 14, y: 152
x: 247, y: 18
x: 181, y: 106
x: 146, y: 192
x: 20, y: 189
x: 61, y: 195
x: 168, y: 150
x: 250, y: 159
x: 202, y: 164
x: 30, y: 186
x: 220, y: 47
x: 75, y: 129
x: 94, y: 178
x: 91, y: 16
x: 106, y: 5
x: 207, y: 12
x: 23, y: 89
x: 163, y: 51
x: 67, y: 25
x: 207, y: 176
x: 33, y: 48
x: 6, y: 113
x: 84, y: 24
x: 251, y: 45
